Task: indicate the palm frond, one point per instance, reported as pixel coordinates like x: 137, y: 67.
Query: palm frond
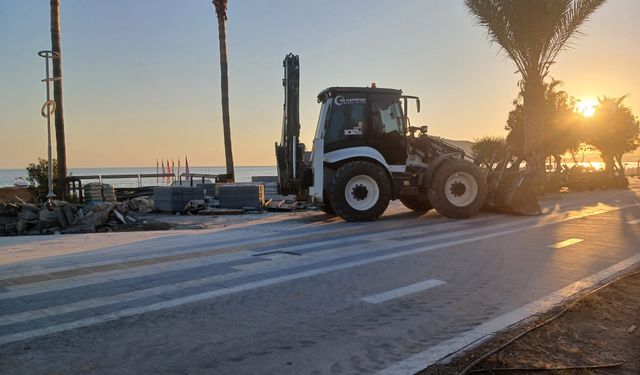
x: 221, y: 8
x: 532, y: 32
x: 490, y: 14
x: 568, y: 27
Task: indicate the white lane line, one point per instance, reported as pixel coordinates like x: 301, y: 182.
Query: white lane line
x: 401, y: 292
x: 565, y: 243
x: 484, y: 331
x: 637, y: 221
x: 276, y: 280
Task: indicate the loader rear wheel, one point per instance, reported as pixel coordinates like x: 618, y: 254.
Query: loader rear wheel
x: 359, y: 191
x: 417, y: 204
x: 458, y: 189
x: 326, y: 205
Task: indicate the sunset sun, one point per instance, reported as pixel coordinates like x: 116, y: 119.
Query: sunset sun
x: 587, y: 107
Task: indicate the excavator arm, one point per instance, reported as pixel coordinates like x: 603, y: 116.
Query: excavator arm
x: 290, y: 152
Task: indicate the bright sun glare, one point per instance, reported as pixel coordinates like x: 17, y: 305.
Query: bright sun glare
x: 587, y: 107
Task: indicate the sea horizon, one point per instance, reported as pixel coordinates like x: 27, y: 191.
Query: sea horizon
x: 243, y: 173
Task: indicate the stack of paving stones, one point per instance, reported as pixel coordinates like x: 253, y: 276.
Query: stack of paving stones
x: 270, y: 184
x: 93, y: 192
x: 175, y: 198
x: 109, y: 193
x: 98, y: 192
x: 241, y: 196
x: 209, y: 188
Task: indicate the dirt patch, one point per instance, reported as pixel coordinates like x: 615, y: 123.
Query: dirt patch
x: 597, y: 329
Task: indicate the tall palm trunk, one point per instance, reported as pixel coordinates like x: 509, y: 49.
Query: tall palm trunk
x: 221, y: 12
x: 61, y: 151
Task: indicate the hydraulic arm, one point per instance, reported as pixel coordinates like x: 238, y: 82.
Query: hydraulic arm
x: 290, y: 151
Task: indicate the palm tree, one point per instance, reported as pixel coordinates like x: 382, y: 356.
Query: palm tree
x: 561, y: 127
x: 221, y: 11
x: 61, y: 150
x: 614, y: 131
x: 532, y: 33
x: 490, y: 149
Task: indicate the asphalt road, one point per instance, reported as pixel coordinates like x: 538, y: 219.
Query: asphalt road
x: 301, y: 294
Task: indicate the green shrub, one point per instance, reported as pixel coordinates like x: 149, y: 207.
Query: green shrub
x: 37, y: 176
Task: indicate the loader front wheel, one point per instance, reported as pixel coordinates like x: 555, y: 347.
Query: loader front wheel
x: 359, y: 191
x: 417, y: 204
x: 458, y: 189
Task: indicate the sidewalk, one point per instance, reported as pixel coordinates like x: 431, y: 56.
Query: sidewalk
x: 598, y: 330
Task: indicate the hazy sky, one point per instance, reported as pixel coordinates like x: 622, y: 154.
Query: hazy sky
x: 141, y: 78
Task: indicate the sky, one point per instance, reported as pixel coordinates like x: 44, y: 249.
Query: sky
x: 141, y: 78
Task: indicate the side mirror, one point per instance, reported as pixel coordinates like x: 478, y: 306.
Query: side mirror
x: 418, y: 105
x: 424, y: 129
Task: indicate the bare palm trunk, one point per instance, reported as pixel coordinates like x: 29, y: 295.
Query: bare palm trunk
x: 534, y: 109
x: 221, y: 6
x: 61, y: 151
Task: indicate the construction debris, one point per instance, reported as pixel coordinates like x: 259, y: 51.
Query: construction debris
x: 283, y: 205
x: 102, y: 213
x: 65, y: 217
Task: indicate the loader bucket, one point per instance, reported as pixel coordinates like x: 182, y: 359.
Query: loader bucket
x: 513, y: 194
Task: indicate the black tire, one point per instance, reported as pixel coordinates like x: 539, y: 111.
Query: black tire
x: 417, y: 204
x: 362, y: 178
x: 460, y: 201
x: 326, y: 205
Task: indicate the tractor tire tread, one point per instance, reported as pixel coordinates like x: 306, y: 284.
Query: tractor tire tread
x: 337, y: 185
x: 437, y: 195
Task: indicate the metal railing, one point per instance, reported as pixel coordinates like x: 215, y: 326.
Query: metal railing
x: 74, y: 183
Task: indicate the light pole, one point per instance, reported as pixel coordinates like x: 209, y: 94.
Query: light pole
x: 48, y: 108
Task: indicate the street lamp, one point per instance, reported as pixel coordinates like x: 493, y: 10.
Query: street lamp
x: 48, y: 108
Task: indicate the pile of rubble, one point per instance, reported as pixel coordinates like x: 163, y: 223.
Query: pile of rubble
x: 64, y: 217
x: 102, y: 212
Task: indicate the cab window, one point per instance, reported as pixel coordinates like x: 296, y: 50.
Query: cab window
x: 346, y: 119
x: 386, y: 116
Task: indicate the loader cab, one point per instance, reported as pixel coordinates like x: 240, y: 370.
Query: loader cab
x: 363, y: 117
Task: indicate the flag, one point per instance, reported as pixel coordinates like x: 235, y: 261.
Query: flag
x: 163, y: 171
x: 168, y: 171
x: 186, y: 166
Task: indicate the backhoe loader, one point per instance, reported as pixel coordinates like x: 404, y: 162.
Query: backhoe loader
x: 366, y: 153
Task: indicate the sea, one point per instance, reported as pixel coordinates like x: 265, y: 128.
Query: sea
x: 243, y: 174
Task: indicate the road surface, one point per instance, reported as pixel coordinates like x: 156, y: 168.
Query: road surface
x: 301, y: 293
